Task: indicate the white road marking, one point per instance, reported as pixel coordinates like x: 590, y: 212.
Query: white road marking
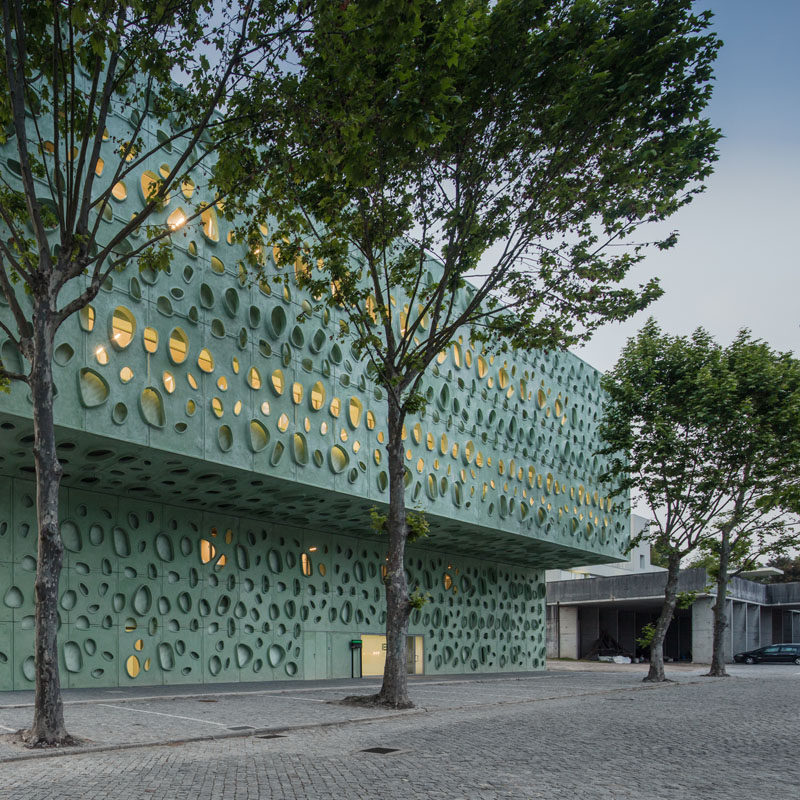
x: 5, y: 728
x: 162, y: 714
x: 304, y: 699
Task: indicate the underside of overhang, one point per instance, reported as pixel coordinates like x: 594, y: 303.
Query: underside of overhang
x: 113, y: 466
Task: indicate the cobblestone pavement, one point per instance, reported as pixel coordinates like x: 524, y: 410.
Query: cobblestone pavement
x: 566, y: 734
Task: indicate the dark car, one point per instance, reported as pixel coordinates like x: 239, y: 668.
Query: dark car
x: 777, y: 653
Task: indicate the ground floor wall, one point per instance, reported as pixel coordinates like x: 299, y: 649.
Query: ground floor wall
x: 153, y: 593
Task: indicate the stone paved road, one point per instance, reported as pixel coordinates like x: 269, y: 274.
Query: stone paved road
x: 568, y: 735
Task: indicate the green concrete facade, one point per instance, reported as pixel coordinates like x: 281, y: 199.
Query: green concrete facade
x: 142, y: 603
x: 193, y: 403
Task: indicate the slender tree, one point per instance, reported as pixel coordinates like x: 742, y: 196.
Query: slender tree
x: 660, y: 400
x: 65, y: 66
x: 460, y: 168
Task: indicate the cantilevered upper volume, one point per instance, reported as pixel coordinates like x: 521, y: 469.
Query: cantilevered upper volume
x: 196, y: 405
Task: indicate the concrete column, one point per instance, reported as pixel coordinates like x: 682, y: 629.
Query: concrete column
x: 702, y: 630
x: 568, y: 630
x: 753, y: 627
x: 738, y: 623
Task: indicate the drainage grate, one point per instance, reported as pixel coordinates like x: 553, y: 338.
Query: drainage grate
x: 381, y: 750
x: 272, y: 736
x: 242, y: 728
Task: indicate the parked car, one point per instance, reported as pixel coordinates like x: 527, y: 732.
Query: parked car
x: 777, y: 653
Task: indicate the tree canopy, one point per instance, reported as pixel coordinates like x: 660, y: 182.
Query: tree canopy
x: 171, y: 70
x: 462, y: 168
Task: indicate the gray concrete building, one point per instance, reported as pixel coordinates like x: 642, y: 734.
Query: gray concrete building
x: 586, y: 615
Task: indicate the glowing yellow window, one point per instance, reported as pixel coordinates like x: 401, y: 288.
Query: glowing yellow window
x: 323, y: 428
x: 217, y: 265
x: 237, y: 408
x: 98, y: 169
x: 354, y: 411
x: 207, y: 551
x: 283, y: 423
x: 416, y: 432
x: 222, y: 383
x: 370, y: 420
x: 205, y: 360
x: 169, y: 382
x: 119, y: 191
x: 150, y: 340
x: 541, y: 398
x: 177, y: 219
x: 253, y: 378
x: 235, y: 365
x: 187, y: 187
x: 482, y: 368
x: 430, y: 441
x: 336, y: 407
x: 123, y: 326
x: 128, y: 150
x: 126, y: 374
x: 216, y: 407
x: 86, y: 318
x: 317, y: 396
x: 278, y: 382
x: 150, y: 183
x: 502, y: 378
x: 191, y: 407
x: 442, y: 357
x: 265, y: 408
x: 178, y: 346
x: 305, y: 564
x: 210, y: 224
x: 132, y: 666
x: 297, y: 392
x: 192, y: 380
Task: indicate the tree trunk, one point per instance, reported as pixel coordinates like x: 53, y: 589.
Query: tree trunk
x: 656, y: 672
x: 48, y: 714
x: 394, y: 691
x: 720, y: 617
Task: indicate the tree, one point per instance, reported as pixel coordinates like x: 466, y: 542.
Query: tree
x: 66, y: 66
x: 759, y: 452
x: 790, y: 566
x: 687, y: 429
x: 450, y: 186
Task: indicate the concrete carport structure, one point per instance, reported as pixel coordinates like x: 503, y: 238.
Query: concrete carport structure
x: 580, y: 611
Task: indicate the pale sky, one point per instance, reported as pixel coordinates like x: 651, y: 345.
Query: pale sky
x: 736, y: 263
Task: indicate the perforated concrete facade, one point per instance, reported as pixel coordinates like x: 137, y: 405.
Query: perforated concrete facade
x: 200, y: 403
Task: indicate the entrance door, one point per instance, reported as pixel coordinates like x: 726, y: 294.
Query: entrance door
x: 373, y: 655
